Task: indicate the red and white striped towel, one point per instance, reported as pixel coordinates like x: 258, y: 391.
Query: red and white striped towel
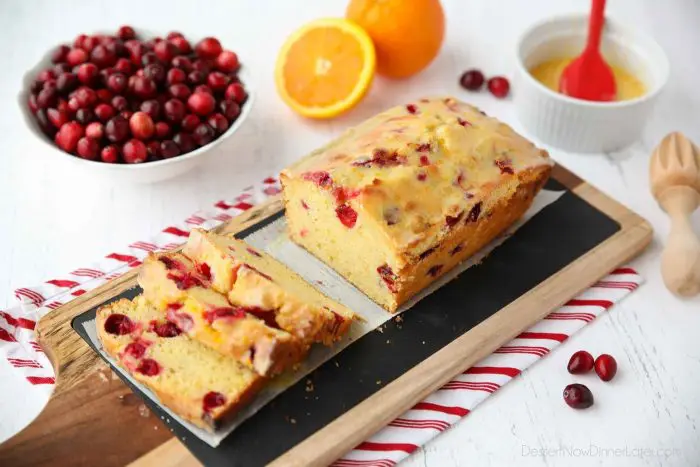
x: 402, y: 436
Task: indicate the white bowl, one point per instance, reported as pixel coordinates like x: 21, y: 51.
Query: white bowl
x: 582, y: 126
x: 146, y: 172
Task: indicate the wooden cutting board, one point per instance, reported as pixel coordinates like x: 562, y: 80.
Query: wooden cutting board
x: 93, y: 418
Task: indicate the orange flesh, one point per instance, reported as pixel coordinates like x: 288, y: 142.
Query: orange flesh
x: 323, y: 67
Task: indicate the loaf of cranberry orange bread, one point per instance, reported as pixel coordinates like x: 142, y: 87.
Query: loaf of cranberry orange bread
x: 194, y: 381
x: 183, y: 294
x: 402, y: 198
x: 254, y: 280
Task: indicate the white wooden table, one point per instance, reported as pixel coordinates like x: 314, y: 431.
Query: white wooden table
x: 52, y: 220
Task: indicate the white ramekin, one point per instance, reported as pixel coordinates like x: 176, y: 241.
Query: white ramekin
x: 576, y: 125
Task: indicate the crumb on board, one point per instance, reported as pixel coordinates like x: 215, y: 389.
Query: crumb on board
x: 155, y: 427
x: 398, y: 319
x: 336, y: 363
x: 388, y: 341
x: 379, y: 382
x: 143, y: 410
x: 103, y: 377
x: 289, y: 419
x: 423, y: 342
x: 379, y: 329
x: 120, y: 397
x: 309, y: 385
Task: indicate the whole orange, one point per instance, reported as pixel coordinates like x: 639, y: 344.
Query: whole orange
x: 407, y: 34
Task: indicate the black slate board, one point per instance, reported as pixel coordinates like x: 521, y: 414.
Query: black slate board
x: 555, y: 237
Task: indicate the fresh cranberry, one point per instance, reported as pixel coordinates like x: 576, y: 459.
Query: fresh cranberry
x: 36, y: 87
x: 46, y: 75
x: 218, y: 123
x: 117, y: 129
x: 236, y: 92
x: 48, y: 97
x: 203, y: 134
x: 212, y: 400
x: 185, y: 142
x: 142, y: 126
x: 89, y: 43
x: 33, y: 106
x: 190, y: 122
x: 117, y: 82
x: 201, y: 103
x: 202, y: 65
x: 103, y: 57
x: 153, y: 151
x: 88, y: 148
x: 66, y: 82
x: 162, y: 130
x: 144, y: 87
x: 118, y: 324
x: 136, y: 54
x: 498, y: 86
x: 174, y: 110
x: 116, y: 48
x: 169, y: 149
x: 60, y: 53
x: 135, y: 350
x: 149, y: 58
x: 104, y: 95
x: 179, y: 91
x: 152, y: 108
x: 155, y: 72
x: 217, y: 81
x: 204, y: 88
x: 183, y: 63
x: 605, y: 367
x: 126, y: 32
x: 472, y: 80
x: 94, y: 130
x: 134, y: 152
x: 181, y: 44
x: 165, y: 51
x: 110, y: 154
x: 195, y: 77
x: 87, y: 97
x: 73, y: 104
x: 174, y: 34
x: 176, y: 76
x: 120, y: 103
x: 166, y: 329
x: 78, y: 42
x: 580, y: 362
x: 227, y: 61
x: 230, y: 109
x: 148, y: 367
x: 62, y: 68
x: 208, y: 47
x: 578, y: 396
x: 347, y: 215
x: 84, y: 116
x: 126, y: 114
x: 63, y: 106
x: 44, y: 123
x: 104, y: 112
x: 123, y: 66
x: 57, y: 117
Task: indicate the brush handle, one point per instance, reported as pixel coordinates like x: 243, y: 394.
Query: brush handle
x: 680, y: 261
x: 595, y: 24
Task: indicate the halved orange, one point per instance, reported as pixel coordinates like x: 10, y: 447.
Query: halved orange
x: 325, y: 67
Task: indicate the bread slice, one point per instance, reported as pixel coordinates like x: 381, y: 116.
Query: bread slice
x: 194, y: 381
x: 253, y: 279
x: 182, y: 293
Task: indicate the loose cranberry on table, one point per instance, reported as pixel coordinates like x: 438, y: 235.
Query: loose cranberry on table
x: 125, y: 99
x: 472, y: 80
x: 605, y: 367
x: 580, y: 362
x: 498, y: 86
x: 578, y: 396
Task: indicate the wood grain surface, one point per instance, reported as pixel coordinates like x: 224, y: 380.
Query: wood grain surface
x: 77, y: 388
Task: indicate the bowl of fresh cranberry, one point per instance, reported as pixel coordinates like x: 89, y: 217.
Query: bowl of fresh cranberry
x: 135, y: 108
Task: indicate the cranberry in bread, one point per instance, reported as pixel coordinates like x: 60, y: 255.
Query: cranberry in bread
x: 405, y: 196
x: 254, y: 280
x: 194, y: 381
x: 183, y: 294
